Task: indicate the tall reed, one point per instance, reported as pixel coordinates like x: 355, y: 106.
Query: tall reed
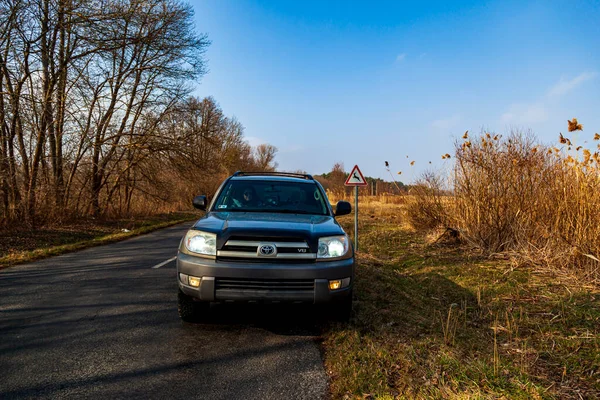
x: 512, y: 194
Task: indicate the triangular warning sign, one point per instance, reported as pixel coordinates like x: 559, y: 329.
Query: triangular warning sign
x: 356, y: 178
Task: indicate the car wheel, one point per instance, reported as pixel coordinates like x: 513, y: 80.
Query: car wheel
x: 190, y: 310
x: 342, y: 310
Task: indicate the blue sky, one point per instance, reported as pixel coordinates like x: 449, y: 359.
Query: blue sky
x: 367, y: 82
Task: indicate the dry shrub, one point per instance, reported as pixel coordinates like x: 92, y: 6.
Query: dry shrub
x: 568, y: 231
x: 430, y: 206
x: 498, y: 183
x: 513, y: 195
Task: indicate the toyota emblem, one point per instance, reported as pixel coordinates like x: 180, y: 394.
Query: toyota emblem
x: 267, y: 250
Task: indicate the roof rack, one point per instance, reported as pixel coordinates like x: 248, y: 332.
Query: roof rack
x: 290, y: 174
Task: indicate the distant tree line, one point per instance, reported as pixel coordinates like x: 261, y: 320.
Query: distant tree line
x: 95, y: 113
x: 335, y: 179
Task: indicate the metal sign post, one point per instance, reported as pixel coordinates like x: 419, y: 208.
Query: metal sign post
x: 356, y: 179
x: 356, y: 218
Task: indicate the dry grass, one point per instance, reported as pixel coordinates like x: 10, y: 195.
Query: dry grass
x: 367, y: 200
x: 439, y: 321
x: 513, y: 195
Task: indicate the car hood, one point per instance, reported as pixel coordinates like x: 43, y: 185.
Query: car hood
x: 268, y: 226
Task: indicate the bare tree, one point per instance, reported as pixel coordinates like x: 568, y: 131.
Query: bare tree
x: 76, y: 79
x: 95, y: 116
x: 265, y: 157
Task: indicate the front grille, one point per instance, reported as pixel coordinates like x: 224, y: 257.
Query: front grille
x: 266, y: 238
x: 274, y: 285
x: 288, y: 250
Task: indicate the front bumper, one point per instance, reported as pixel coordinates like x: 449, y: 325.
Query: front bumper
x: 212, y: 272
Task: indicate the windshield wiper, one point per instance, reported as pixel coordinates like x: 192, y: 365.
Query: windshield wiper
x: 242, y: 210
x: 284, y: 211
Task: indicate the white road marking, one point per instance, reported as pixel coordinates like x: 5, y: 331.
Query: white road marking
x: 164, y: 262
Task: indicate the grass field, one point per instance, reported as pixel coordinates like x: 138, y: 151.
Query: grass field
x: 436, y: 320
x: 23, y: 245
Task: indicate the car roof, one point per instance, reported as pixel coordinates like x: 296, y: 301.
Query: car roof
x: 271, y: 178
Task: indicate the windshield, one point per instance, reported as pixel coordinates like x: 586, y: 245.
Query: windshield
x: 271, y: 196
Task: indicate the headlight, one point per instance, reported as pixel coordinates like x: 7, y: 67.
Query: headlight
x: 333, y: 246
x: 201, y: 242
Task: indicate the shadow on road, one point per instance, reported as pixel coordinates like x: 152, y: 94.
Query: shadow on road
x: 101, y: 323
x: 280, y: 319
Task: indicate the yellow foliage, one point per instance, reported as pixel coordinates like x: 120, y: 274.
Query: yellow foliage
x: 574, y: 125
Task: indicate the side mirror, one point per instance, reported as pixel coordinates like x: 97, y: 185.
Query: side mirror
x: 200, y: 202
x: 342, y: 208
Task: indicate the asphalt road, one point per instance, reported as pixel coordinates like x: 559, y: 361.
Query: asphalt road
x: 102, y: 323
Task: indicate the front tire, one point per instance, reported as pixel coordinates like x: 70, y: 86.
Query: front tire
x: 188, y: 309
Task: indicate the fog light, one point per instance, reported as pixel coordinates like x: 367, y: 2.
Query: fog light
x: 183, y: 278
x: 195, y: 282
x: 334, y: 285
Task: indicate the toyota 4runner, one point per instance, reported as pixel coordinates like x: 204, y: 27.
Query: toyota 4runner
x: 267, y: 237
